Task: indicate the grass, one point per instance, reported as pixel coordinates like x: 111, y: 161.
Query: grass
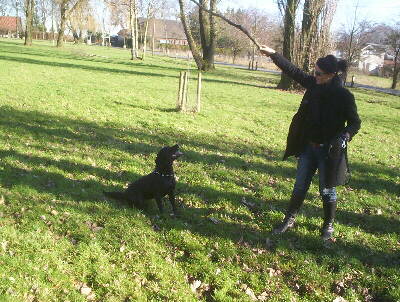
x: 80, y: 120
x: 371, y: 80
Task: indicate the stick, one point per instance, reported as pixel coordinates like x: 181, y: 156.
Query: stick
x: 238, y: 26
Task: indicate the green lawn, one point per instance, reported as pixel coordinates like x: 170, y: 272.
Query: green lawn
x: 80, y: 120
x: 362, y: 78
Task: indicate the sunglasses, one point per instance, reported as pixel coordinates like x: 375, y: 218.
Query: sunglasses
x: 319, y: 73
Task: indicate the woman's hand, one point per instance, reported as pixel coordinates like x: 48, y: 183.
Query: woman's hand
x: 266, y: 51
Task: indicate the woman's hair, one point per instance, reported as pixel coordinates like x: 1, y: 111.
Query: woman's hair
x: 330, y: 64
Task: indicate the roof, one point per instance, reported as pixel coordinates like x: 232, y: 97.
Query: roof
x: 377, y: 48
x: 164, y: 29
x: 8, y: 23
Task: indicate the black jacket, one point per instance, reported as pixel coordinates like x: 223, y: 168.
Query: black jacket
x: 333, y: 104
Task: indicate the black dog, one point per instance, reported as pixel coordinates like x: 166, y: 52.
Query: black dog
x: 155, y: 185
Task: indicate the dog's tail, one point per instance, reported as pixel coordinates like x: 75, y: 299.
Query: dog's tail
x: 115, y: 195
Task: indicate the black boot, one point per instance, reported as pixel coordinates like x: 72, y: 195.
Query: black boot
x: 294, y: 206
x: 329, y: 217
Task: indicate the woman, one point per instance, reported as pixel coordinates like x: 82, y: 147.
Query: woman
x: 327, y: 118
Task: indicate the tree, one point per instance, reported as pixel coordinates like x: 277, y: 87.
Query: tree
x: 81, y: 22
x: 29, y: 13
x: 44, y: 7
x: 125, y: 13
x: 66, y: 8
x: 207, y: 32
x: 289, y: 7
x: 4, y: 7
x: 393, y: 40
x: 231, y: 38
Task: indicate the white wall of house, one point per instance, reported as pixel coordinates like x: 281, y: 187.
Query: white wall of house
x: 370, y: 60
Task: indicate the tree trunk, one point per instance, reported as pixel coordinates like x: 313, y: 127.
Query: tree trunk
x: 192, y: 45
x: 132, y: 25
x: 152, y: 37
x: 207, y: 35
x: 288, y: 42
x: 395, y: 75
x: 63, y: 16
x: 29, y: 11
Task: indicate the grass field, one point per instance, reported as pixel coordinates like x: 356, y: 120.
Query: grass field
x: 80, y: 120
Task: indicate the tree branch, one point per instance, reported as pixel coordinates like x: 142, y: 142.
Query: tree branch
x: 238, y: 26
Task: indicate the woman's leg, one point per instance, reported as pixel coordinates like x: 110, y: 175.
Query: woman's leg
x: 306, y: 167
x: 328, y: 195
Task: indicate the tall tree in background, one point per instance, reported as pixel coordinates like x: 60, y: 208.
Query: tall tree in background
x: 66, y: 8
x: 314, y: 37
x: 124, y: 13
x: 44, y: 7
x: 29, y: 13
x: 230, y: 38
x: 4, y: 7
x: 393, y: 40
x: 82, y: 21
x: 352, y: 39
x: 288, y: 8
x: 207, y: 31
x: 309, y: 30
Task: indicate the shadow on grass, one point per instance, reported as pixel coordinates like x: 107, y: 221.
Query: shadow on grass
x: 71, y: 133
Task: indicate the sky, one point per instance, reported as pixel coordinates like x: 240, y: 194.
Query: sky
x: 380, y: 11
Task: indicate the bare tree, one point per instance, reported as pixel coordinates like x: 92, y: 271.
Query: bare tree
x: 393, y: 40
x: 289, y: 9
x: 66, y: 8
x: 29, y: 12
x: 44, y: 7
x: 207, y: 30
x: 81, y: 21
x: 4, y: 7
x: 149, y: 15
x: 352, y: 39
x: 125, y: 14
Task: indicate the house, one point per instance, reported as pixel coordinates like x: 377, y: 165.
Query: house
x: 164, y: 32
x: 372, y: 58
x: 10, y: 26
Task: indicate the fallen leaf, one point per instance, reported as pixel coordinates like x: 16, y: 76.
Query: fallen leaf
x: 195, y: 285
x: 251, y: 294
x: 339, y: 299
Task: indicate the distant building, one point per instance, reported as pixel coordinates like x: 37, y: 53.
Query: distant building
x: 9, y: 26
x: 372, y: 58
x: 164, y: 32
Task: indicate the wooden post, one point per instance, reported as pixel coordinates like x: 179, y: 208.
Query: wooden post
x: 257, y: 65
x: 198, y: 102
x: 180, y: 91
x: 185, y: 90
x: 352, y: 81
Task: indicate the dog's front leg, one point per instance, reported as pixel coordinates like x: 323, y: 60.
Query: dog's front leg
x: 159, y: 204
x: 172, y: 201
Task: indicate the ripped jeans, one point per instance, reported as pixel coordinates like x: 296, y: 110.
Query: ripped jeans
x: 313, y: 158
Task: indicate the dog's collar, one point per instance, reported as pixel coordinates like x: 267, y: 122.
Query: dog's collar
x: 165, y: 175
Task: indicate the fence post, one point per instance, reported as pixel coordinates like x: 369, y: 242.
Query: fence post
x: 185, y: 90
x: 180, y: 91
x: 198, y: 102
x: 352, y: 81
